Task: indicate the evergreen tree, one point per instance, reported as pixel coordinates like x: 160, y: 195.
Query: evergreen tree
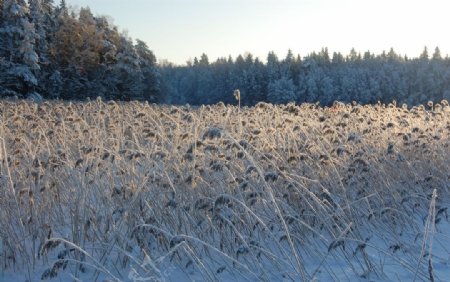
x: 353, y: 57
x: 62, y: 10
x: 128, y: 78
x: 338, y: 59
x: 424, y: 55
x: 281, y: 91
x: 18, y: 48
x: 437, y: 54
x: 204, y: 61
x: 367, y: 56
x: 273, y: 67
x: 147, y: 64
x: 324, y: 57
x: 392, y: 56
x: 38, y: 19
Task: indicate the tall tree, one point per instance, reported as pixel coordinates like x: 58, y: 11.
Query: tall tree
x: 62, y: 9
x: 273, y: 67
x: 437, y: 54
x: 18, y: 47
x: 424, y: 55
x: 147, y: 64
x: 127, y: 74
x: 204, y: 61
x: 67, y: 43
x: 38, y: 19
x: 338, y: 58
x: 353, y: 57
x: 91, y: 38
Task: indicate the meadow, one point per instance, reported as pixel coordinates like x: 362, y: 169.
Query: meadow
x: 106, y: 191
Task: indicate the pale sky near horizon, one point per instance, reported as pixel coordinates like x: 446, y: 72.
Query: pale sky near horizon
x: 179, y: 30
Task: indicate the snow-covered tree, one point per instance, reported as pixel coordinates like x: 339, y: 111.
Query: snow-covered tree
x: 17, y: 45
x: 37, y: 17
x: 281, y: 91
x: 151, y: 76
x: 127, y: 75
x: 273, y: 67
x: 337, y: 59
x: 62, y: 10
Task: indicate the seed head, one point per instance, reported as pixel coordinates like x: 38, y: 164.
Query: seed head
x: 237, y: 94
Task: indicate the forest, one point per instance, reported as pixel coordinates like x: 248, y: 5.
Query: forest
x: 50, y: 51
x: 53, y: 51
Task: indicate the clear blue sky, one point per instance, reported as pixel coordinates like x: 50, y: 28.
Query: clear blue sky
x: 179, y: 30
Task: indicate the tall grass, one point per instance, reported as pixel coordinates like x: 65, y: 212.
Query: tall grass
x: 123, y: 190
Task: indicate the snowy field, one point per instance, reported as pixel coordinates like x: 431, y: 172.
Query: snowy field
x: 105, y: 191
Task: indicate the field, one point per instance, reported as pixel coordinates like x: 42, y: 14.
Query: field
x: 105, y: 191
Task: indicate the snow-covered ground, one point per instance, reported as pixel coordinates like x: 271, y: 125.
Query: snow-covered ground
x: 388, y: 265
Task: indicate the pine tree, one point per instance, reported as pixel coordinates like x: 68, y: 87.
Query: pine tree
x: 424, y: 55
x: 392, y: 56
x: 324, y: 57
x: 204, y: 61
x: 338, y: 58
x: 353, y: 57
x: 437, y: 54
x: 367, y: 56
x: 287, y: 64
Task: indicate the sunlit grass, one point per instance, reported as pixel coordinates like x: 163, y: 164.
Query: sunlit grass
x: 270, y: 192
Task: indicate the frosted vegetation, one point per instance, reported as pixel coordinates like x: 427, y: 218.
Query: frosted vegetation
x: 52, y: 51
x: 128, y: 191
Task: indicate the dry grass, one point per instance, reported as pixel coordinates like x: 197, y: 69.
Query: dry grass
x: 271, y: 192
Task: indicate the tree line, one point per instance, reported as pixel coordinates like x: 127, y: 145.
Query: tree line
x: 51, y: 51
x: 317, y: 77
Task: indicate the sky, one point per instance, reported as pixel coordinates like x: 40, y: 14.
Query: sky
x: 179, y: 30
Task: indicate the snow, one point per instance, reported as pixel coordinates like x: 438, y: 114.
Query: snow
x: 392, y: 265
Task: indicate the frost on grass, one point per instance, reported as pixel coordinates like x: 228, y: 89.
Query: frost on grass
x: 130, y: 191
x: 212, y: 133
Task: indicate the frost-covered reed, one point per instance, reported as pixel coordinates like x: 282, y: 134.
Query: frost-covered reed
x: 118, y: 190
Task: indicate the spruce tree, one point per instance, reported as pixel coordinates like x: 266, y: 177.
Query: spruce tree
x: 424, y: 55
x: 18, y: 48
x: 437, y: 54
